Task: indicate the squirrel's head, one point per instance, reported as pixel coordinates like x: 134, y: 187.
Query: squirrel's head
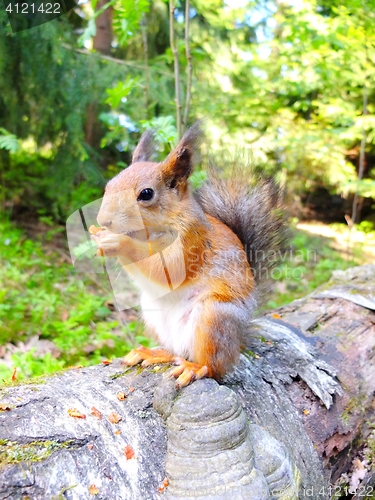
x: 148, y: 193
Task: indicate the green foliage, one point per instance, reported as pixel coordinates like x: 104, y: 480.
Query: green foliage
x: 127, y: 18
x: 88, y: 32
x: 285, y: 82
x: 365, y: 187
x: 47, y: 110
x: 291, y: 91
x: 367, y: 227
x: 165, y: 131
x: 120, y: 91
x: 8, y: 141
x: 197, y: 178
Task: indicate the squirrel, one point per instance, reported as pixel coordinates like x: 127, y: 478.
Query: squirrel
x: 198, y: 258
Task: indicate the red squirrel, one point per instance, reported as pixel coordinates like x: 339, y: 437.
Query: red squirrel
x: 225, y: 233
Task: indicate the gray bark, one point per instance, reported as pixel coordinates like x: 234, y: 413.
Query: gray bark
x: 286, y: 423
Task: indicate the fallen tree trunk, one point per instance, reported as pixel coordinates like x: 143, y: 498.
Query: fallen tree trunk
x: 294, y: 419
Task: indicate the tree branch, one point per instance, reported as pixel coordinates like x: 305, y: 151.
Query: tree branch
x: 361, y: 168
x: 147, y: 68
x: 112, y: 59
x: 176, y: 67
x: 189, y: 66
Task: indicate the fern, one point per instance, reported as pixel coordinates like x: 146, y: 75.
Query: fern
x: 8, y: 141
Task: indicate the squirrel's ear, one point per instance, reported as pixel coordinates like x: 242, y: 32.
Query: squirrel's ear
x: 145, y: 149
x: 180, y: 162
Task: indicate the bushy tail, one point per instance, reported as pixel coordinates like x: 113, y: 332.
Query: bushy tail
x: 251, y: 208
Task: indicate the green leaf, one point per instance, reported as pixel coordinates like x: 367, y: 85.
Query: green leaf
x: 88, y: 33
x: 8, y: 141
x: 165, y: 129
x: 119, y: 93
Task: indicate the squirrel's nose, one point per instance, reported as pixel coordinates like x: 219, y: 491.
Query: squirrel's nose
x: 107, y: 223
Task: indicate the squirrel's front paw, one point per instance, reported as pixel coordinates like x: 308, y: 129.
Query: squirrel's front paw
x: 109, y: 244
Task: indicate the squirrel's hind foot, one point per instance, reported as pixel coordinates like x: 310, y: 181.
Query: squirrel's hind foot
x: 147, y: 356
x: 186, y: 372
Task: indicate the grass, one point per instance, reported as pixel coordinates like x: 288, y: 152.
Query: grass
x: 43, y: 299
x: 52, y: 318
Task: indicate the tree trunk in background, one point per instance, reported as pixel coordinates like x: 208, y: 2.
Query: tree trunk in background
x: 102, y: 42
x: 4, y: 167
x: 103, y: 39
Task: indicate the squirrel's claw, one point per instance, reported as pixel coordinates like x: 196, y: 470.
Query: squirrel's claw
x: 147, y: 356
x: 186, y: 372
x: 133, y: 358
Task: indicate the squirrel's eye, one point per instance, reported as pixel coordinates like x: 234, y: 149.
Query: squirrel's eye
x: 146, y: 194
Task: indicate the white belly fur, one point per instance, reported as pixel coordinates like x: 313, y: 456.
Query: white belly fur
x: 173, y: 318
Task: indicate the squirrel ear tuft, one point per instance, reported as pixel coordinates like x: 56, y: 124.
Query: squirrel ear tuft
x: 179, y: 163
x: 145, y: 149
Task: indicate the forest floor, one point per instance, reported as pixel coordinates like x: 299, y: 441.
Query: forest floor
x: 52, y: 316
x: 346, y: 241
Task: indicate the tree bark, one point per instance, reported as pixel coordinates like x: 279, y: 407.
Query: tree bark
x: 292, y: 420
x: 176, y: 65
x: 102, y: 41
